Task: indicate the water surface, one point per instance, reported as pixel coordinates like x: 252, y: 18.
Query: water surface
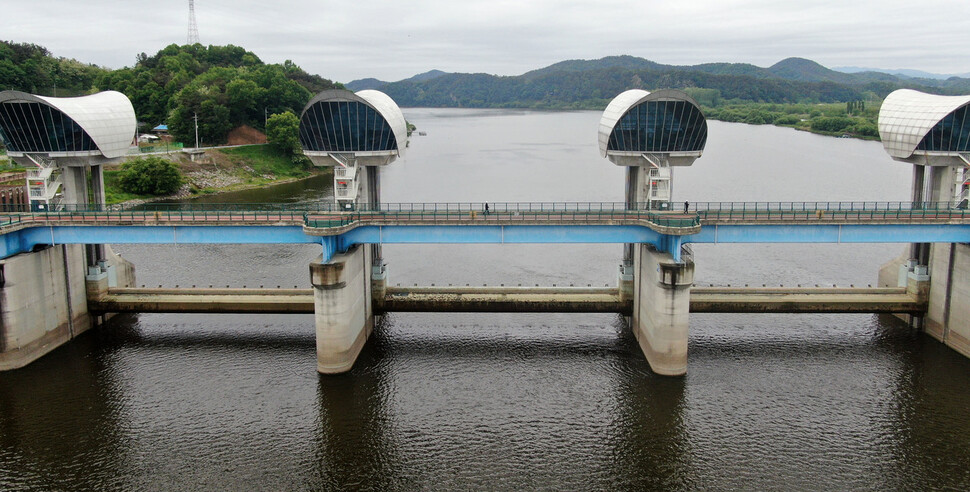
x: 511, y: 401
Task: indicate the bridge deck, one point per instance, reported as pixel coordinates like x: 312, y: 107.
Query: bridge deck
x: 324, y: 219
x: 336, y: 230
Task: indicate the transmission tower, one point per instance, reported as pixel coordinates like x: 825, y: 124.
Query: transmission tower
x: 193, y: 28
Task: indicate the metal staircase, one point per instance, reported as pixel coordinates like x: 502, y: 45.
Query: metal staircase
x: 346, y: 185
x: 43, y: 182
x: 658, y: 183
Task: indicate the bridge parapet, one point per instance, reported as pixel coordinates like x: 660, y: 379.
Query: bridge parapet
x: 710, y: 213
x: 327, y: 220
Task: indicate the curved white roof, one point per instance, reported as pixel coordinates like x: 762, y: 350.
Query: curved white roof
x: 382, y: 103
x: 107, y: 117
x: 907, y: 116
x: 625, y: 101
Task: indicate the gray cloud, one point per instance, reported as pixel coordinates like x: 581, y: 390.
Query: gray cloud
x: 393, y: 40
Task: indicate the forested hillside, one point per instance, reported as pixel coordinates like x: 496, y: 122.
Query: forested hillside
x: 226, y: 86
x: 31, y: 68
x: 590, y: 84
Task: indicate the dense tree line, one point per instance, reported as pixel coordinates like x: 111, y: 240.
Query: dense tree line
x: 31, y: 68
x: 224, y: 86
x: 570, y: 89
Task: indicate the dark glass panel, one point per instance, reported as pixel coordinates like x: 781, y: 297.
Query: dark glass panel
x: 660, y: 126
x: 35, y: 127
x: 951, y: 134
x: 345, y: 126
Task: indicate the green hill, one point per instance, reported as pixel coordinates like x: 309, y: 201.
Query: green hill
x: 227, y: 86
x: 591, y: 83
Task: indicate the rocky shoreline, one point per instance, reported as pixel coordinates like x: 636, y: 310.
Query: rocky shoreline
x: 219, y: 181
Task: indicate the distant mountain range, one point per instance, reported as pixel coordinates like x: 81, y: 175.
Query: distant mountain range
x: 904, y: 72
x: 588, y: 83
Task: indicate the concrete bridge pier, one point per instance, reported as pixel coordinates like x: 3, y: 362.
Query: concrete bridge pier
x: 661, y: 305
x: 343, y: 309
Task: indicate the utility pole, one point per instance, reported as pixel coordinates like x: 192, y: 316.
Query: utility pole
x: 196, y: 129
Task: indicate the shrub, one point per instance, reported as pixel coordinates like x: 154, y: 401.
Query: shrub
x: 831, y: 124
x: 150, y: 176
x: 787, y: 119
x: 866, y: 129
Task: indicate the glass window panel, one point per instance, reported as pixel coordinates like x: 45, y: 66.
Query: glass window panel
x: 345, y: 126
x: 951, y: 134
x: 25, y: 127
x: 35, y: 127
x: 660, y: 126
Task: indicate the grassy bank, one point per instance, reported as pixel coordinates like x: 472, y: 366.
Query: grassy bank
x: 221, y: 170
x: 857, y: 119
x: 839, y: 119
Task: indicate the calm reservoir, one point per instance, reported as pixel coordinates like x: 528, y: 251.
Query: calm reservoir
x: 511, y: 401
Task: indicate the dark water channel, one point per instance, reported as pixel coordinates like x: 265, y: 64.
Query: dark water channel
x: 515, y: 401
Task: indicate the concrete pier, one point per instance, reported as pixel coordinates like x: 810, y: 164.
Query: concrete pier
x: 342, y: 301
x: 661, y: 304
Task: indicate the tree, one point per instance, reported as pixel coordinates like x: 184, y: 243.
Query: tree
x: 150, y: 176
x: 283, y: 131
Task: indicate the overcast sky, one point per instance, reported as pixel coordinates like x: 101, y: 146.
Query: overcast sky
x: 390, y: 40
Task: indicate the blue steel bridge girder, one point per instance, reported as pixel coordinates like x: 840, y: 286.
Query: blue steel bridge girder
x: 23, y: 240
x: 671, y: 244
x: 832, y: 233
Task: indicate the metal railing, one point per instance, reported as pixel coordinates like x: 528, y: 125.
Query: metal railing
x: 853, y: 211
x: 498, y: 217
x: 333, y: 215
x: 320, y: 215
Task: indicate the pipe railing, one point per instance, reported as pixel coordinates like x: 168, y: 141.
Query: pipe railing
x: 332, y: 215
x: 854, y: 211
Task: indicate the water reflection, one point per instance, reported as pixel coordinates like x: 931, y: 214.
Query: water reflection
x: 353, y: 448
x: 931, y: 400
x: 59, y: 420
x: 652, y: 449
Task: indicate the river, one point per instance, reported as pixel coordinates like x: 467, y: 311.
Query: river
x: 511, y: 401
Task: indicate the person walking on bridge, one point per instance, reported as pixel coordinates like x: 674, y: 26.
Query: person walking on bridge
x: 486, y: 208
x: 686, y: 206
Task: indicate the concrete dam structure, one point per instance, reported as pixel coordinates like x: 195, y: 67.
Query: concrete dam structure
x: 58, y: 281
x: 64, y: 143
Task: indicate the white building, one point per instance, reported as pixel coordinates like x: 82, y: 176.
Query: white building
x: 649, y: 132
x: 65, y: 135
x: 349, y: 131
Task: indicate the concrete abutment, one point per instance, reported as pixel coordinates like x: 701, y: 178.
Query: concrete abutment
x: 945, y: 284
x: 43, y: 303
x: 948, y: 314
x: 44, y: 300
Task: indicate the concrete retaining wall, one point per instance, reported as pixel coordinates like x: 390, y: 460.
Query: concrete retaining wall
x: 948, y: 311
x: 948, y: 317
x: 43, y: 303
